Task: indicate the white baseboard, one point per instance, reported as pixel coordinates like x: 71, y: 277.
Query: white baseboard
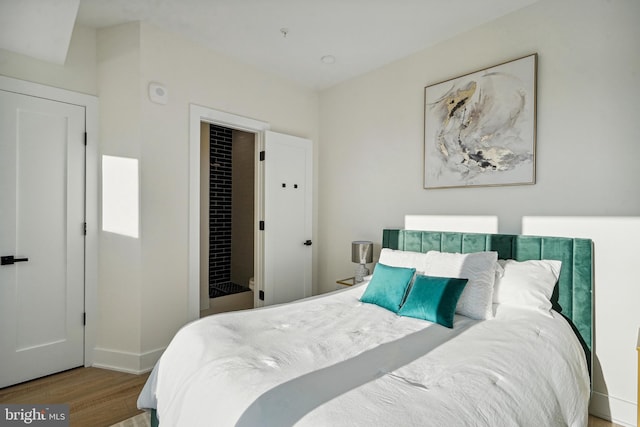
x: 123, y: 361
x: 613, y: 409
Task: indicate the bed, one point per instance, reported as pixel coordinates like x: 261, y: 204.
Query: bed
x: 334, y: 360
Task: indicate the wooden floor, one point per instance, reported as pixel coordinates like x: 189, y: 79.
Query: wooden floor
x: 101, y: 398
x: 96, y: 397
x: 598, y: 422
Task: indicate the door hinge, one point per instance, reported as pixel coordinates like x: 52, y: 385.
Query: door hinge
x: 84, y: 228
x: 84, y: 319
x: 262, y: 156
x: 261, y: 225
x: 261, y: 295
x: 85, y: 138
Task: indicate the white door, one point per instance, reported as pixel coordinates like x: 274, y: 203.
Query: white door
x: 287, y: 218
x: 42, y: 167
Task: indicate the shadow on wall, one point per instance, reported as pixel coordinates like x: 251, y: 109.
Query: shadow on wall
x: 601, y: 407
x: 599, y: 404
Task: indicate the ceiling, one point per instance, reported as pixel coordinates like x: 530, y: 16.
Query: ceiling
x: 39, y: 29
x: 289, y: 37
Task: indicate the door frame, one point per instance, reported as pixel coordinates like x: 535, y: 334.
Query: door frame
x: 90, y: 104
x: 197, y: 114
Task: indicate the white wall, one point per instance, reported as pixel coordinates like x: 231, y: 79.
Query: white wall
x: 159, y: 136
x: 371, y: 149
x: 120, y: 257
x: 588, y: 141
x: 77, y: 74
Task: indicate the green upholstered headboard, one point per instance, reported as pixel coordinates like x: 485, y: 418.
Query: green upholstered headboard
x: 572, y: 296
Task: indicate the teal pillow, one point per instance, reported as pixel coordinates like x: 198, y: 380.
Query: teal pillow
x: 433, y: 299
x: 388, y: 286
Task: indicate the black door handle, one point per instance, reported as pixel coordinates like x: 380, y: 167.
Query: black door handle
x: 307, y: 243
x: 10, y: 259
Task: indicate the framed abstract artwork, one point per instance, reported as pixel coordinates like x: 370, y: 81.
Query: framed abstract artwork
x: 480, y: 128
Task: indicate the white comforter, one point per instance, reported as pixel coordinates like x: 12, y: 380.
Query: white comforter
x: 334, y: 361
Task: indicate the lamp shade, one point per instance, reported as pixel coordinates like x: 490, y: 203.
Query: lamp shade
x: 362, y: 252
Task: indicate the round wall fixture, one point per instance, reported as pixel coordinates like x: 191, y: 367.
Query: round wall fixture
x: 158, y: 93
x: 328, y: 59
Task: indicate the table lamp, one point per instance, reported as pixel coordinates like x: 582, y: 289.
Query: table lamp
x: 361, y: 253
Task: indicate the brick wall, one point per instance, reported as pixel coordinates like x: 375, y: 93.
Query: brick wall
x: 220, y: 206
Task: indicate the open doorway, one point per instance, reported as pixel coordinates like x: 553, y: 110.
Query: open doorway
x: 227, y: 199
x: 282, y: 226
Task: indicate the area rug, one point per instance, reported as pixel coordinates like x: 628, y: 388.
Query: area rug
x: 140, y: 420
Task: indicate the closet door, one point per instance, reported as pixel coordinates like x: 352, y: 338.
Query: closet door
x: 288, y: 195
x: 42, y: 178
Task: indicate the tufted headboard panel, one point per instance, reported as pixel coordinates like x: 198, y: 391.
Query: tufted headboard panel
x: 572, y: 296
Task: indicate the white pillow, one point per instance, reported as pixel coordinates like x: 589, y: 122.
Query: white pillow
x: 405, y: 259
x: 527, y: 284
x: 479, y: 267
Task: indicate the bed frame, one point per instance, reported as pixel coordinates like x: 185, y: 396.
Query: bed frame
x: 572, y: 296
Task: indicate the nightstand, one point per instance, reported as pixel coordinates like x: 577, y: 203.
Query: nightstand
x: 342, y: 283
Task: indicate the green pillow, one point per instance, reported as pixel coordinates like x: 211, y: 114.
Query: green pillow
x: 433, y: 299
x: 388, y: 286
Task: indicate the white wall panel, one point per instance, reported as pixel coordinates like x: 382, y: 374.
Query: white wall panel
x: 459, y: 223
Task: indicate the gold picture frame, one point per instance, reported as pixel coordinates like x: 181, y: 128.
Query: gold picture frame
x: 480, y: 128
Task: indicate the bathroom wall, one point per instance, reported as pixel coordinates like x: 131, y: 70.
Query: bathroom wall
x: 204, y: 215
x: 242, y: 207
